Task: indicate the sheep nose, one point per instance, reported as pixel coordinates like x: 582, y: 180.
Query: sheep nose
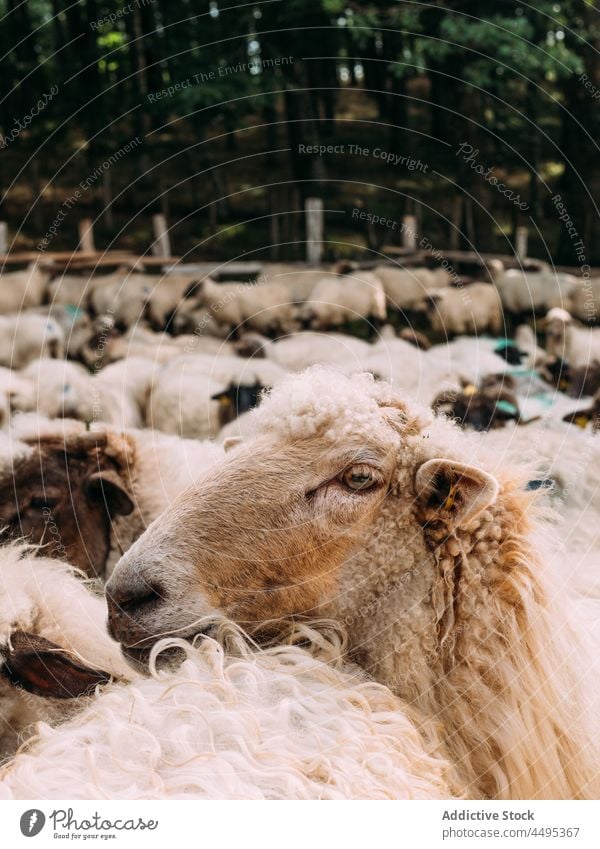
x: 127, y: 609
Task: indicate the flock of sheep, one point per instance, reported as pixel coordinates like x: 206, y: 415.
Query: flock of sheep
x: 341, y: 524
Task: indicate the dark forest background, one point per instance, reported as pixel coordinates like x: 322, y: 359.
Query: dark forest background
x: 221, y: 155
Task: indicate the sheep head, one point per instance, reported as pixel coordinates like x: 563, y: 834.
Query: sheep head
x: 281, y: 526
x: 63, y: 491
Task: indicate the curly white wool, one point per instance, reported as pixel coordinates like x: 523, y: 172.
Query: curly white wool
x: 274, y: 724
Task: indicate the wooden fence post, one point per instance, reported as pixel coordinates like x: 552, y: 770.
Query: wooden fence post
x: 409, y: 232
x: 521, y: 236
x: 162, y: 244
x: 314, y: 230
x: 86, y: 236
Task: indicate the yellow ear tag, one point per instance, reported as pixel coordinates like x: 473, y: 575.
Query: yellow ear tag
x: 225, y: 401
x: 581, y: 421
x: 469, y: 390
x: 450, y: 498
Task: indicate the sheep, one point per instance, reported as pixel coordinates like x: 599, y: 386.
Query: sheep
x: 26, y: 337
x: 426, y: 374
x: 190, y: 396
x: 12, y: 385
x: 75, y: 324
x: 336, y: 301
x: 130, y: 381
x: 189, y: 318
x: 534, y: 291
x: 167, y: 294
x: 263, y: 308
x: 400, y: 363
x: 591, y: 415
x: 406, y: 288
x: 584, y: 300
x: 492, y: 404
x: 300, y: 350
x: 446, y: 577
x: 76, y: 290
x: 578, y: 346
x: 298, y: 281
x: 53, y: 644
x: 58, y: 388
x: 569, y: 458
x: 471, y: 309
x: 22, y: 289
x: 441, y: 368
x: 87, y: 495
x: 107, y: 346
x: 468, y: 357
x: 125, y: 298
x: 230, y: 722
x: 55, y: 388
x: 584, y: 381
x: 415, y: 337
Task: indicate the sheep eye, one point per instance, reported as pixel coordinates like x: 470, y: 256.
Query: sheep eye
x: 358, y: 478
x: 42, y: 503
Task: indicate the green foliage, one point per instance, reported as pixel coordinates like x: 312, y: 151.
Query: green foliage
x: 425, y: 76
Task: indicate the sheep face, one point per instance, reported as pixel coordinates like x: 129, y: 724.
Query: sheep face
x: 265, y: 535
x: 281, y: 526
x: 63, y: 494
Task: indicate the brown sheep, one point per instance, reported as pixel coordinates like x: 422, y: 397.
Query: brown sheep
x: 352, y: 503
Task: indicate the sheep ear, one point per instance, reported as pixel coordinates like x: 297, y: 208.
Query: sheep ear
x: 232, y: 442
x: 43, y: 668
x: 456, y: 492
x: 107, y: 487
x: 581, y: 418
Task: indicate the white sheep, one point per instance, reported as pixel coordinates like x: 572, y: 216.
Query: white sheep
x: 76, y: 289
x: 107, y: 346
x: 181, y: 401
x: 407, y: 288
x: 534, y: 291
x: 263, y: 308
x: 26, y: 337
x: 301, y: 350
x: 125, y: 298
x: 299, y: 281
x: 75, y: 324
x: 22, y: 289
x: 565, y: 340
x: 472, y: 309
x: 230, y: 722
x: 59, y: 388
x: 336, y: 301
x: 584, y: 301
x: 167, y: 295
x: 424, y: 374
x: 565, y: 459
x: 12, y: 385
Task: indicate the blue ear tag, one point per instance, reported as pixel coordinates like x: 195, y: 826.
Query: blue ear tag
x: 507, y: 407
x: 540, y: 483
